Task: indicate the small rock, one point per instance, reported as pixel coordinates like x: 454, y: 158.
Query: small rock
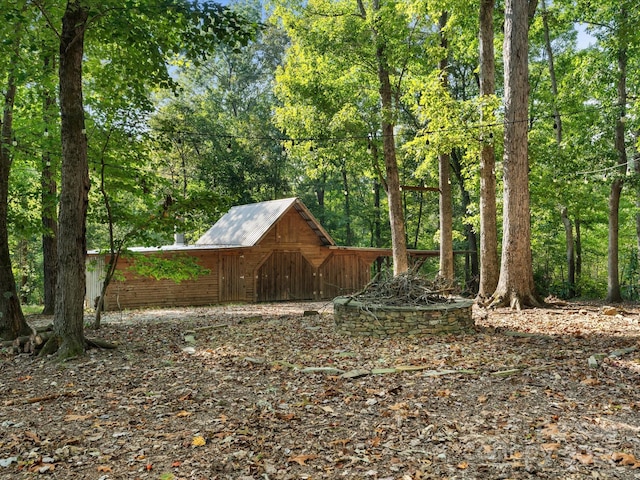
x: 595, y: 360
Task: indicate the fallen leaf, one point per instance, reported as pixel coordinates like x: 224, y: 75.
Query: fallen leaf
x: 550, y: 430
x: 198, y: 441
x: 550, y: 447
x: 301, y: 459
x: 32, y: 436
x: 584, y: 458
x: 341, y: 441
x: 590, y: 381
x: 515, y: 456
x: 463, y: 465
x: 443, y: 393
x: 625, y: 459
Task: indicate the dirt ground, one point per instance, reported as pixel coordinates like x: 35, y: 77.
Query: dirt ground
x: 267, y: 392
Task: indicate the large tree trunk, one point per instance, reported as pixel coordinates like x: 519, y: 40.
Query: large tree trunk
x: 68, y: 333
x: 613, y: 283
x: 515, y: 285
x: 444, y: 183
x: 48, y: 210
x: 489, y: 266
x: 12, y: 322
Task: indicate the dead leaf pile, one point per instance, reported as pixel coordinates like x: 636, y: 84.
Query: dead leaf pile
x: 268, y: 392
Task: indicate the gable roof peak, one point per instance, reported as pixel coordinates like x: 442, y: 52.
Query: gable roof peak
x: 246, y: 225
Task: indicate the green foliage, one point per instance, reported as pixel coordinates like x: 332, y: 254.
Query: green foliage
x: 174, y: 267
x: 630, y: 281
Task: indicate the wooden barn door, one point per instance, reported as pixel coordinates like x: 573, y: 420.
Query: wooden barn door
x: 231, y: 278
x: 285, y: 276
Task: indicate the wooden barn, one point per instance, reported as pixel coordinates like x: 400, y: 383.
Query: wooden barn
x: 262, y: 252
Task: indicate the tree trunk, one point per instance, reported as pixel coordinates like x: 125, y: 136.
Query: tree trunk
x: 552, y: 75
x: 396, y: 216
x: 578, y: 249
x: 48, y: 211
x: 471, y: 267
x: 636, y: 166
x: 489, y: 266
x: 613, y: 282
x: 12, y: 322
x: 347, y: 205
x: 515, y: 285
x: 446, y: 207
x: 571, y: 257
x: 564, y: 214
x: 68, y: 338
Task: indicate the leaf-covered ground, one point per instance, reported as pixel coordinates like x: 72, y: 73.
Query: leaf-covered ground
x: 229, y: 393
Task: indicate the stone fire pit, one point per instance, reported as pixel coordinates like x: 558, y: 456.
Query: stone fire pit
x: 363, y: 319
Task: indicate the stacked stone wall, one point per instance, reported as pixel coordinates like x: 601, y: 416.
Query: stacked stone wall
x: 357, y: 319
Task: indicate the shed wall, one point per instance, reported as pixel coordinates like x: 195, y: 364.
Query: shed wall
x: 289, y: 263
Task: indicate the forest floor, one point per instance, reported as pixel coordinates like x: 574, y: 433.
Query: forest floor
x: 227, y: 393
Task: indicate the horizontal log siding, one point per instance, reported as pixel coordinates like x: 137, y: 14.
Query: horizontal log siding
x: 137, y: 291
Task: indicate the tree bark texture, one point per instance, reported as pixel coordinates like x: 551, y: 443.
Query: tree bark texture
x: 489, y: 266
x: 515, y: 284
x: 12, y: 322
x: 48, y: 213
x: 68, y: 324
x: 396, y: 215
x: 613, y: 281
x: 446, y: 271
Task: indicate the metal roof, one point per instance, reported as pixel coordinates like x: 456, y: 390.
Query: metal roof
x: 246, y: 225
